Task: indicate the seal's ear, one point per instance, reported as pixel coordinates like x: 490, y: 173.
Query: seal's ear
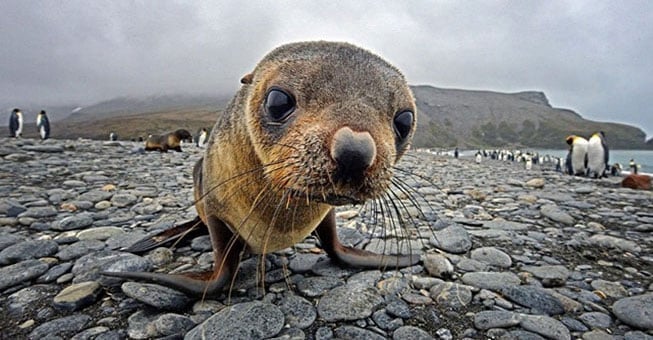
x: 247, y: 79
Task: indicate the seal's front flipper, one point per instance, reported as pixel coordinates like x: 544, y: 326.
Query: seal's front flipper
x: 326, y: 231
x: 193, y: 283
x: 226, y: 248
x: 191, y: 228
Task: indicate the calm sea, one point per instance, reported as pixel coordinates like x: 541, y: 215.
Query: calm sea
x: 641, y: 157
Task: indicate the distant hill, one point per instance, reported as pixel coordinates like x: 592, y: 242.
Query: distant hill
x: 485, y: 119
x: 446, y: 118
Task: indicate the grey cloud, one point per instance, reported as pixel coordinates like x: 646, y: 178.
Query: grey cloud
x: 595, y: 57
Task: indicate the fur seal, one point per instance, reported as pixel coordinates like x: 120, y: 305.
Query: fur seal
x: 168, y: 141
x: 16, y: 123
x: 43, y: 125
x: 314, y: 126
x: 598, y: 156
x: 577, y: 156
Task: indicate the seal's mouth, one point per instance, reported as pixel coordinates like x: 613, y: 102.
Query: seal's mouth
x: 327, y: 198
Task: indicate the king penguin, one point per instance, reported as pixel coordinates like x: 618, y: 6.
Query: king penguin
x: 43, y: 125
x: 577, y: 162
x: 201, y: 140
x: 16, y: 123
x: 598, y: 155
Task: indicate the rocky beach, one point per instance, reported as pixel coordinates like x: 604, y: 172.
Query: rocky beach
x: 507, y: 253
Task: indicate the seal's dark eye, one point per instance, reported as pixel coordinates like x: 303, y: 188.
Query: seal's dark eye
x: 403, y: 123
x: 279, y: 104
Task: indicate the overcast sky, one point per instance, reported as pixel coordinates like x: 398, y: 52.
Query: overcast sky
x: 595, y: 57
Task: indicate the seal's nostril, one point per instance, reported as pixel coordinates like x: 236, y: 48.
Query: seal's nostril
x: 354, y: 152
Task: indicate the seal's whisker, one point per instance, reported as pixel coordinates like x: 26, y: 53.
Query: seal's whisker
x: 264, y: 168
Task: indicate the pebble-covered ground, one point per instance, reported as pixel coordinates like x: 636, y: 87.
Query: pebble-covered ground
x: 506, y: 254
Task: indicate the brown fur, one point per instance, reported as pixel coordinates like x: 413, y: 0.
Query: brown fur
x: 265, y: 184
x: 168, y: 141
x: 335, y: 85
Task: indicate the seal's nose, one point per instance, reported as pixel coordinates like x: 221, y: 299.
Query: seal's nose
x: 354, y: 152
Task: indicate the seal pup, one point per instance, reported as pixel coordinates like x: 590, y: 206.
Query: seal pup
x: 16, y: 123
x: 314, y: 126
x: 576, y: 158
x: 168, y: 141
x: 43, y: 125
x: 598, y: 155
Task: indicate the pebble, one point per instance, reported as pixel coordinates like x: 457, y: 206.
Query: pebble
x: 247, y: 320
x: 535, y: 298
x: 77, y: 296
x: 636, y: 311
x: 360, y: 301
x: 156, y: 295
x: 453, y: 239
x: 528, y: 254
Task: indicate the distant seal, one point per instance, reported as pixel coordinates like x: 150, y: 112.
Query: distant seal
x: 16, y: 123
x: 598, y: 155
x: 314, y: 126
x: 168, y: 141
x: 576, y: 158
x: 43, y: 125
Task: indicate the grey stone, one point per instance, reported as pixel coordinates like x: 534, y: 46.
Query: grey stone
x: 551, y: 276
x: 398, y: 308
x: 452, y: 239
x: 556, y: 214
x: 451, y: 295
x: 611, y: 289
x: 28, y: 250
x: 155, y: 295
x: 123, y: 200
x: 496, y: 319
x: 249, y: 320
x: 614, y: 242
x: 545, y: 326
x: 19, y: 272
x: 172, y: 324
x: 79, y: 249
x: 360, y: 301
x: 39, y: 212
x: 596, y: 320
x: 491, y: 256
x: 9, y: 240
x: 73, y: 222
x: 61, y: 326
x: 411, y: 333
x: 28, y: 299
x: 490, y: 280
x: 636, y: 311
x: 356, y: 333
x: 535, y: 298
x: 317, y: 286
x: 298, y: 311
x: 77, y: 296
x: 54, y: 272
x: 438, y: 265
x: 302, y: 263
x: 99, y: 233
